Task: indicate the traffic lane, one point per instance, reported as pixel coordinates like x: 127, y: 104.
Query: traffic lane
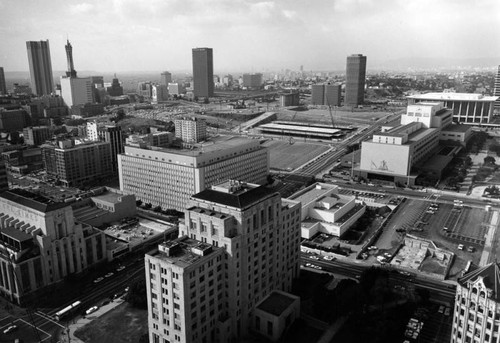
x: 23, y: 331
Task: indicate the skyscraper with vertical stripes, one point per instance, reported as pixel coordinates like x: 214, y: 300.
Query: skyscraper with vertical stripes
x: 496, y: 91
x: 42, y: 80
x: 203, y: 72
x: 355, y: 80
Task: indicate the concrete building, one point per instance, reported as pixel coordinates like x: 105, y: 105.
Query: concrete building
x: 111, y: 134
x: 203, y: 72
x: 3, y: 85
x: 167, y: 177
x: 165, y: 78
x: 191, y: 130
x: 476, y: 312
x: 156, y: 139
x: 87, y: 110
x: 76, y: 90
x: 176, y: 89
x: 467, y: 108
x: 42, y: 80
x: 115, y: 89
x: 159, y: 93
x: 36, y: 135
x: 496, y: 90
x: 239, y: 244
x: 326, y: 210
x: 4, y: 183
x: 42, y: 244
x: 13, y: 120
x: 253, y: 81
x: 77, y: 164
x: 392, y: 153
x: 291, y: 98
x: 326, y: 94
x: 355, y: 80
x: 23, y: 161
x: 145, y: 89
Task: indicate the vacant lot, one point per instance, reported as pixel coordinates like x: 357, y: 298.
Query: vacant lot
x: 123, y: 324
x: 287, y: 157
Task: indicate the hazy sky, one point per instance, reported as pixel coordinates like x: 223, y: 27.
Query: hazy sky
x: 246, y: 35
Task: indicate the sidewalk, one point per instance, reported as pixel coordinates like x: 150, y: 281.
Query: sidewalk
x: 80, y: 322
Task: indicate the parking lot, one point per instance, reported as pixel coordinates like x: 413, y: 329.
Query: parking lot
x: 35, y: 328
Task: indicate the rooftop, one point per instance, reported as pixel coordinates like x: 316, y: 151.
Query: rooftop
x: 401, y: 130
x: 456, y: 128
x: 276, y: 303
x: 184, y: 251
x: 312, y: 193
x: 453, y: 96
x: 491, y: 279
x: 240, y: 199
x: 32, y: 200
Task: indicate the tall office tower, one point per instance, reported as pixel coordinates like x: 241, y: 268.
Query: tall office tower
x: 159, y: 93
x: 75, y: 165
x: 42, y: 81
x: 111, y: 134
x: 203, y: 72
x: 477, y: 306
x: 42, y: 244
x: 145, y: 89
x: 36, y: 135
x: 496, y: 91
x: 3, y: 85
x: 355, y: 80
x: 165, y: 78
x: 191, y: 130
x: 317, y: 94
x: 71, y: 72
x: 236, y: 253
x: 167, y: 177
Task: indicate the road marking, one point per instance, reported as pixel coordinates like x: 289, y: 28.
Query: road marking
x: 44, y: 316
x: 48, y: 335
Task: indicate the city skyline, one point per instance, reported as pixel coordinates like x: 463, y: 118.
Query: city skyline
x: 159, y: 35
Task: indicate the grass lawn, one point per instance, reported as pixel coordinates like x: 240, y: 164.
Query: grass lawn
x: 284, y: 156
x: 123, y: 324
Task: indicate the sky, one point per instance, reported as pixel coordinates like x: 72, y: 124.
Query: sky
x: 246, y: 35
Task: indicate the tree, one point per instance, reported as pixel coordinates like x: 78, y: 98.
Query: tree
x: 157, y: 209
x: 138, y: 202
x: 489, y: 160
x: 137, y: 294
x: 148, y: 206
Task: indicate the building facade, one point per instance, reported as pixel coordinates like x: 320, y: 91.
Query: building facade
x: 111, y: 134
x: 291, y: 98
x: 165, y: 78
x: 203, y: 72
x: 326, y: 94
x: 240, y: 242
x: 42, y: 80
x: 42, y: 244
x: 252, y: 80
x: 3, y: 85
x: 76, y: 90
x: 36, y: 135
x: 467, y: 108
x: 168, y: 177
x: 77, y: 164
x: 476, y: 315
x: 496, y: 90
x: 191, y: 130
x: 355, y: 80
x: 115, y: 89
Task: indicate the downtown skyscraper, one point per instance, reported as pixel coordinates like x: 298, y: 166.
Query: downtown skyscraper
x: 203, y: 72
x: 42, y: 81
x: 496, y: 91
x: 355, y: 80
x: 3, y: 86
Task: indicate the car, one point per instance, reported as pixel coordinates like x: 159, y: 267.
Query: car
x: 91, y: 310
x: 314, y: 257
x: 441, y: 309
x: 99, y: 279
x: 404, y: 273
x: 471, y: 249
x: 329, y: 258
x: 460, y: 247
x: 110, y: 274
x: 10, y: 329
x: 309, y: 265
x: 447, y: 311
x: 120, y: 268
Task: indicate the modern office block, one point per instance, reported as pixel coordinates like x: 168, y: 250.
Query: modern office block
x: 191, y: 130
x: 165, y: 78
x: 3, y: 85
x: 76, y: 90
x: 317, y: 94
x: 332, y: 95
x: 43, y: 244
x: 203, y: 72
x: 476, y: 313
x: 167, y: 177
x: 252, y: 80
x: 36, y: 135
x: 42, y: 80
x: 77, y: 164
x: 239, y: 245
x: 355, y: 80
x: 111, y: 134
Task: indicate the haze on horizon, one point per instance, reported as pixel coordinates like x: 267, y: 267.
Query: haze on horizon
x: 246, y: 35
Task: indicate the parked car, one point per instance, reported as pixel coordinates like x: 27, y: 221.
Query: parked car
x: 99, y: 279
x: 441, y: 309
x: 460, y: 247
x: 91, y: 310
x: 10, y: 329
x: 447, y: 311
x: 471, y: 249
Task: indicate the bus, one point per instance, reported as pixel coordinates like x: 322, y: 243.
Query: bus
x: 67, y: 310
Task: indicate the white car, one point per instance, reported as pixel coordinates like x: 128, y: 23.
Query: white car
x: 99, y: 279
x: 10, y: 329
x: 91, y: 310
x: 329, y: 258
x: 460, y: 247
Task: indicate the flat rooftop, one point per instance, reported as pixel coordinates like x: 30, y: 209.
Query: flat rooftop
x: 312, y: 193
x: 420, y: 134
x: 32, y: 200
x: 276, y: 303
x: 183, y: 255
x: 303, y: 128
x: 399, y: 131
x: 109, y: 196
x: 453, y: 96
x: 456, y: 128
